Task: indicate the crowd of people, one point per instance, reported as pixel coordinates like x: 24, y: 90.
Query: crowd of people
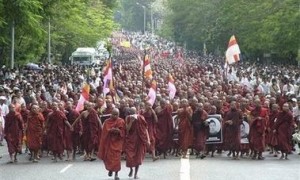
x: 38, y: 108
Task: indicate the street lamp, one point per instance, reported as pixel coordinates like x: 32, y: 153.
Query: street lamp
x: 144, y: 15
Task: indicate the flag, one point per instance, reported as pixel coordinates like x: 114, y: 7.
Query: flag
x: 84, y: 96
x: 172, y: 88
x: 125, y: 44
x: 152, y: 93
x: 233, y: 51
x: 107, y: 81
x: 147, y: 67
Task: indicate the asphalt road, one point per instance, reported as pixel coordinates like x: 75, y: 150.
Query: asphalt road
x: 218, y: 168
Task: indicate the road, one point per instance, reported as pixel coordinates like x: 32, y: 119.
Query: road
x: 218, y: 168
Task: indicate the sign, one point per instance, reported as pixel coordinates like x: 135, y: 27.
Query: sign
x: 175, y: 126
x: 215, y: 129
x: 245, y: 129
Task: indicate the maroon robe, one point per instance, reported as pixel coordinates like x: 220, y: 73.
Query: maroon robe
x: 257, y: 129
x: 232, y: 133
x: 34, y: 133
x: 149, y: 117
x: 91, y: 128
x: 164, y: 129
x: 136, y: 142
x: 56, y: 124
x: 72, y: 138
x: 271, y: 139
x: 283, y: 127
x: 111, y: 144
x: 200, y: 129
x: 12, y: 130
x: 185, y: 129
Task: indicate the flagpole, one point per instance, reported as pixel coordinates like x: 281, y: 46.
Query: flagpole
x: 143, y: 72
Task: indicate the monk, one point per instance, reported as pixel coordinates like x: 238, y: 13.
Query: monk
x: 111, y: 143
x: 12, y: 130
x: 164, y: 129
x: 91, y: 125
x: 151, y: 119
x: 56, y: 122
x: 136, y: 141
x: 258, y: 118
x: 24, y: 113
x: 271, y: 138
x: 283, y: 129
x: 72, y: 138
x: 34, y: 132
x: 185, y: 128
x: 201, y: 129
x: 232, y: 124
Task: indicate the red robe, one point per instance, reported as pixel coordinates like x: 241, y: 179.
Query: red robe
x: 34, y: 132
x: 111, y: 144
x: 185, y: 129
x: 200, y: 130
x: 56, y: 124
x: 136, y: 142
x: 164, y: 129
x: 72, y: 139
x: 91, y: 128
x: 12, y: 130
x: 271, y: 139
x: 283, y: 127
x: 232, y: 133
x: 257, y: 129
x: 149, y: 117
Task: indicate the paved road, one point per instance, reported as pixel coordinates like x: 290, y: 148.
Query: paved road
x: 217, y: 168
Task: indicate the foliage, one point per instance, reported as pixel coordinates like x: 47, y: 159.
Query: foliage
x: 74, y: 23
x: 269, y: 26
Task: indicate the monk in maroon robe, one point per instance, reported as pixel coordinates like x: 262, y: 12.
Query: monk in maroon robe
x: 13, y: 128
x: 45, y: 112
x: 271, y: 138
x: 72, y: 138
x: 34, y: 132
x: 185, y: 128
x: 56, y: 122
x: 232, y: 124
x: 136, y: 141
x: 24, y: 113
x: 111, y: 143
x: 164, y: 128
x: 283, y: 130
x: 151, y: 119
x: 91, y: 128
x: 201, y: 129
x: 259, y: 117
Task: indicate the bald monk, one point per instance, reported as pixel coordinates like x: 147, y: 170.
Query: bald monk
x: 258, y: 118
x: 72, y: 138
x: 136, y: 142
x: 111, y: 143
x: 91, y: 126
x: 164, y: 128
x: 283, y: 129
x: 56, y: 122
x: 34, y: 132
x: 232, y: 124
x: 13, y: 128
x: 151, y: 120
x: 185, y: 128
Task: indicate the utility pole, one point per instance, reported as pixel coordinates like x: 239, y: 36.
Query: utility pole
x: 49, y: 41
x: 12, y: 62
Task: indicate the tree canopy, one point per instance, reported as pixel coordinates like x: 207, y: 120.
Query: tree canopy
x: 270, y: 26
x: 74, y: 23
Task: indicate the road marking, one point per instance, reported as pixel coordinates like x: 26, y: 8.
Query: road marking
x: 66, y: 168
x: 185, y: 168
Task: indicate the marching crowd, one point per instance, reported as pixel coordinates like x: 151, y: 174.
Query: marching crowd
x: 38, y: 108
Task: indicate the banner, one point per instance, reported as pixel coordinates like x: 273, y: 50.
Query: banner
x: 175, y: 126
x: 245, y: 129
x: 215, y: 129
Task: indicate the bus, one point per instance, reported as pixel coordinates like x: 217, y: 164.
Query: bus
x: 85, y: 56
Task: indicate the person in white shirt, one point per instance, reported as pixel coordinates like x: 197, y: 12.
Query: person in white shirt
x: 3, y: 112
x: 288, y: 89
